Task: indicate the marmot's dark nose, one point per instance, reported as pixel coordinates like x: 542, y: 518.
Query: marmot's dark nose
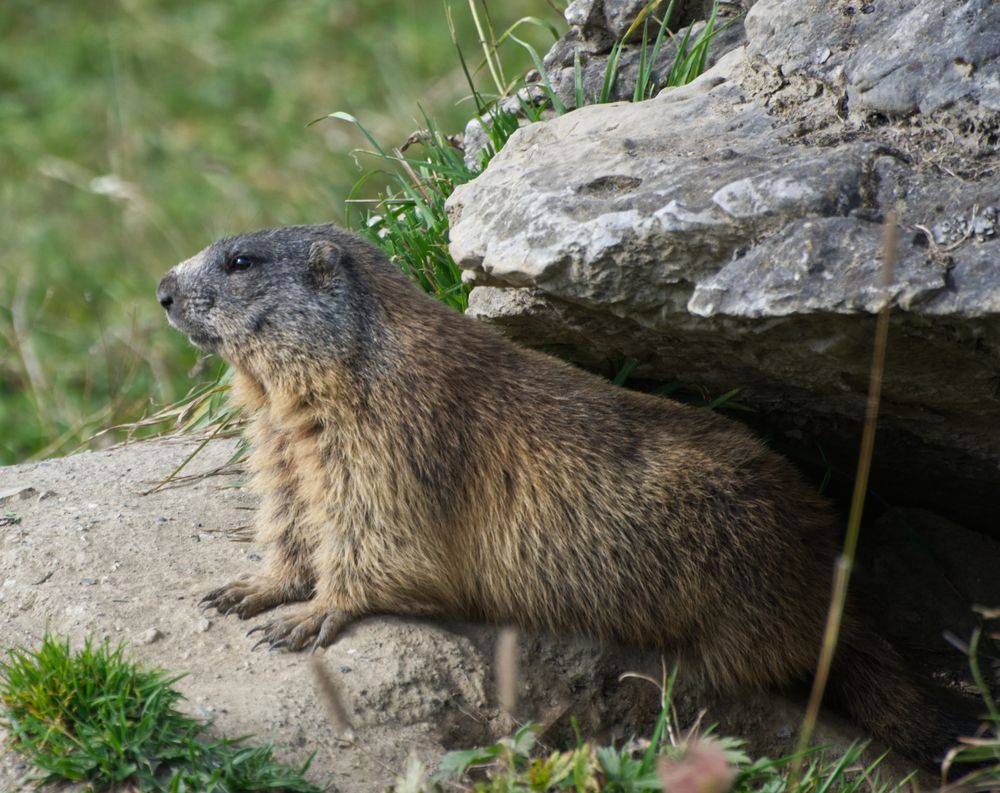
x: 165, y: 291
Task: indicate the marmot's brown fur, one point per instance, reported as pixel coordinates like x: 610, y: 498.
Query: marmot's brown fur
x: 414, y: 462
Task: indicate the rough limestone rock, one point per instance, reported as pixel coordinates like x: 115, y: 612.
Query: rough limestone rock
x: 86, y: 550
x: 727, y: 234
x: 894, y: 58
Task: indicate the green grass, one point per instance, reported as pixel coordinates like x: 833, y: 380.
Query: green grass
x: 695, y: 760
x: 94, y: 716
x: 409, y: 223
x: 699, y: 760
x: 983, y: 753
x: 670, y: 759
x: 704, y: 762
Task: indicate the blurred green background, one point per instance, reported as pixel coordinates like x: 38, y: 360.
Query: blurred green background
x: 134, y: 132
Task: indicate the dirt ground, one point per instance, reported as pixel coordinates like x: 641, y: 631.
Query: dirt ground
x: 86, y: 550
x: 93, y: 556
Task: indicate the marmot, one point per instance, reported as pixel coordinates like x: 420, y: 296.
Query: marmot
x: 414, y: 462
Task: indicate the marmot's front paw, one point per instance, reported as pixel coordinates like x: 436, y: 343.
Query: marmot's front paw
x: 249, y: 597
x: 309, y: 626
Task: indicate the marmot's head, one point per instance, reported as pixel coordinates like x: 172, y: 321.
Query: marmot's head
x: 276, y: 297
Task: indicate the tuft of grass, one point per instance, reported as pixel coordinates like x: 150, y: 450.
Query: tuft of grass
x: 981, y: 751
x: 692, y: 55
x: 671, y: 759
x: 94, y: 716
x: 690, y: 58
x: 668, y: 760
x: 644, y: 83
x: 409, y: 221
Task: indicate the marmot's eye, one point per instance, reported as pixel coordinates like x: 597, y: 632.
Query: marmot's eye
x: 239, y: 262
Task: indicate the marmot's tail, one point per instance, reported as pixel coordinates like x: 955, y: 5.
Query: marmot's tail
x: 872, y: 681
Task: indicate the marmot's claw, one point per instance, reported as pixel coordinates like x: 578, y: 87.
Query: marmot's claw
x: 308, y: 630
x: 216, y: 599
x: 248, y: 598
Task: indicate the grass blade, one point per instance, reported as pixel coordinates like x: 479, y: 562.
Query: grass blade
x: 557, y: 103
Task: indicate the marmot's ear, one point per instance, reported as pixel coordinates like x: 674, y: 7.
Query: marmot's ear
x: 324, y: 261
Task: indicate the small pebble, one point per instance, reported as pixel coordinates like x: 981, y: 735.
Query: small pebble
x: 345, y: 669
x: 88, y: 581
x: 17, y: 494
x: 152, y: 635
x: 203, y: 625
x: 253, y: 557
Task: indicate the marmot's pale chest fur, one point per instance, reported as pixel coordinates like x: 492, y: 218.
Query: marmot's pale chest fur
x: 414, y: 462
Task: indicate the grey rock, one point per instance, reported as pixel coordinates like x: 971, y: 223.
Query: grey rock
x: 151, y: 636
x: 823, y: 265
x: 899, y: 58
x: 19, y: 493
x: 585, y: 13
x: 980, y: 223
x: 620, y: 14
